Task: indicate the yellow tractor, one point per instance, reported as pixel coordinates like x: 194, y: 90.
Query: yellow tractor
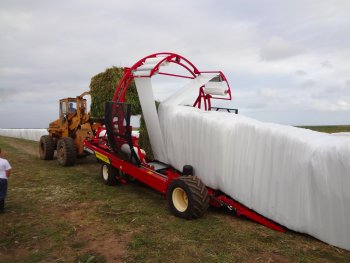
x: 67, y: 133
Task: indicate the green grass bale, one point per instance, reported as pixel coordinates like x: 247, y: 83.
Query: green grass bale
x: 102, y: 89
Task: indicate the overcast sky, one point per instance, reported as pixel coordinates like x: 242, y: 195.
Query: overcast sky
x: 286, y: 61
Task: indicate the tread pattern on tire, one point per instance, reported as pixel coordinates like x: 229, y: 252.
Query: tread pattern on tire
x: 197, y: 194
x: 69, y: 150
x: 47, y: 149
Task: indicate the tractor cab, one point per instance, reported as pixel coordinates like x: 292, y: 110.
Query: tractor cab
x: 72, y: 114
x: 70, y: 106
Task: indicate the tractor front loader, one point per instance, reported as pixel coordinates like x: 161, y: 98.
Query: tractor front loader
x: 68, y: 132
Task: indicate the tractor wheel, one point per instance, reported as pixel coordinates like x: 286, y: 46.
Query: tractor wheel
x: 188, y: 197
x: 109, y: 174
x: 66, y: 152
x: 46, y: 147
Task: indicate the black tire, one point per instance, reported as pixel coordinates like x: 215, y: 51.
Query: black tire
x: 109, y: 174
x: 188, y: 197
x: 46, y: 147
x: 66, y: 152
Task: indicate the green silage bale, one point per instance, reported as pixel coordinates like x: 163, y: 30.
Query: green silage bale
x: 102, y: 89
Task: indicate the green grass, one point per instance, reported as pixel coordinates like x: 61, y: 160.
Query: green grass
x: 57, y: 214
x: 329, y: 129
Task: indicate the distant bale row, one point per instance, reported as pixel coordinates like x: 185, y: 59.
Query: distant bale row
x: 102, y: 89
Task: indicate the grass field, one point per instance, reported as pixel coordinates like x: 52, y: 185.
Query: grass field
x: 329, y: 129
x: 57, y: 214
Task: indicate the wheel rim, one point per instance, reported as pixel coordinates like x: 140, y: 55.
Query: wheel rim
x: 180, y: 199
x: 105, y: 172
x: 60, y: 153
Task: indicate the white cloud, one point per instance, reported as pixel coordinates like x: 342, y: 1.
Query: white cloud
x: 277, y: 48
x: 326, y: 64
x: 308, y: 83
x: 300, y: 72
x: 276, y: 56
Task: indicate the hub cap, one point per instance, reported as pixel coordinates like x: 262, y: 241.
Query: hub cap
x: 105, y: 172
x: 180, y: 199
x: 60, y: 153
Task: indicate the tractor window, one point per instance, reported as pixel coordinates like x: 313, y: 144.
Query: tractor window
x: 72, y: 107
x: 63, y: 108
x: 83, y: 106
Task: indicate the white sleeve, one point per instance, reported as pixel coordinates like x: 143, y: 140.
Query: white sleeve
x: 7, y: 166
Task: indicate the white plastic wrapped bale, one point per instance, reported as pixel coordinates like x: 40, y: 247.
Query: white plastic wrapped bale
x: 296, y: 177
x: 29, y: 134
x: 345, y: 134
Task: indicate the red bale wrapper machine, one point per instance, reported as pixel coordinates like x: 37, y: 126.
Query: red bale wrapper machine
x: 117, y: 147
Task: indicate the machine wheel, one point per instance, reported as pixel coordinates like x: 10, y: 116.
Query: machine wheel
x: 66, y: 152
x: 109, y: 174
x: 188, y: 197
x: 46, y: 147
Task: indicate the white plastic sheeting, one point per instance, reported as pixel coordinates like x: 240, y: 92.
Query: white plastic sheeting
x: 215, y: 88
x: 345, y: 134
x: 189, y: 93
x: 296, y: 177
x: 144, y: 90
x: 29, y: 134
x: 145, y: 93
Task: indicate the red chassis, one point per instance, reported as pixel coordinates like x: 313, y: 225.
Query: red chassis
x: 162, y: 180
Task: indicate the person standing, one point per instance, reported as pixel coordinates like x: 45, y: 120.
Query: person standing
x: 5, y: 171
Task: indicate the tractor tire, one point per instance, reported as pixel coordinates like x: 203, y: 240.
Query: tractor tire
x: 46, y: 147
x: 187, y: 197
x: 109, y: 174
x: 66, y: 152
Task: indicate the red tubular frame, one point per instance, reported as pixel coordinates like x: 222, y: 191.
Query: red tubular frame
x: 146, y: 173
x: 120, y: 91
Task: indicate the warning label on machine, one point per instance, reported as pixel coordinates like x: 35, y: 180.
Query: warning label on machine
x: 102, y: 157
